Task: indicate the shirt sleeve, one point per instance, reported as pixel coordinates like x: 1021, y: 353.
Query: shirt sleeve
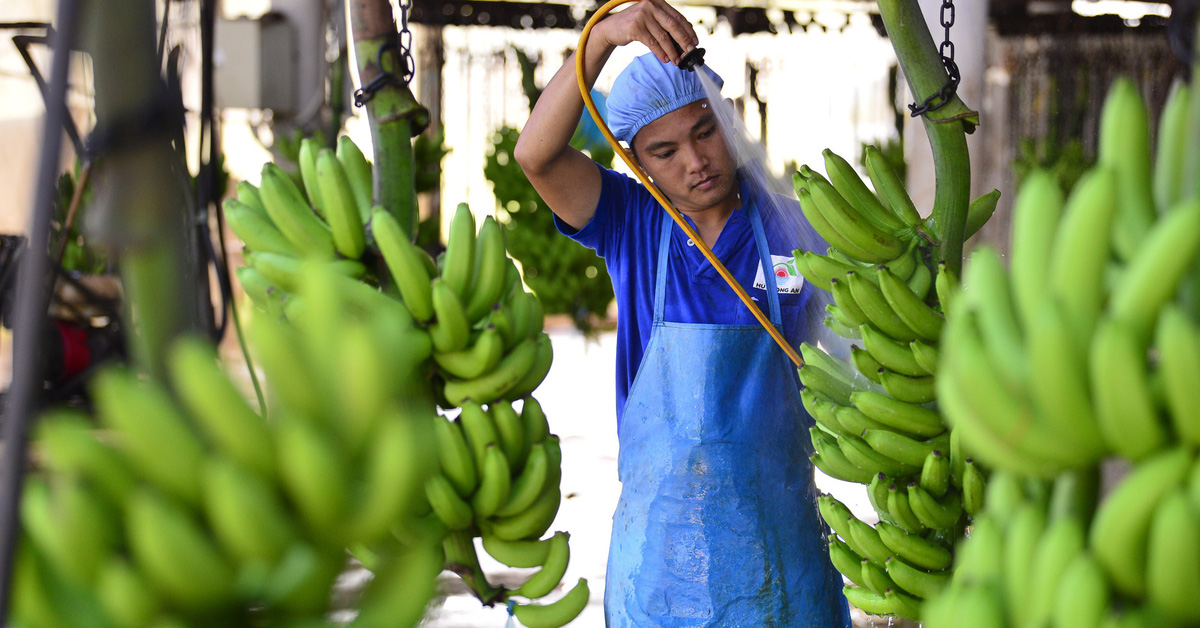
x: 606, y: 229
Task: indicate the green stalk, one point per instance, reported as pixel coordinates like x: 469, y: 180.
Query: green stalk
x: 140, y: 211
x: 393, y: 112
x: 947, y: 126
x: 462, y: 560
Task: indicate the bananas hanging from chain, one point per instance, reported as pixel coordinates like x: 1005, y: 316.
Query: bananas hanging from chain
x: 875, y: 419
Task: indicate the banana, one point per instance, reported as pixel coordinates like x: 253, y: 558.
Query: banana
x: 553, y: 568
x: 847, y: 183
x: 537, y: 371
x: 400, y: 592
x: 1173, y: 557
x: 975, y: 606
x: 292, y: 214
x: 865, y: 363
x: 459, y: 263
x: 873, y: 603
x: 979, y: 560
x: 301, y: 581
x: 68, y: 446
x: 902, y: 448
x: 815, y: 216
x: 1171, y: 151
x: 339, y: 205
x: 450, y: 509
x: 457, y: 460
x: 990, y: 295
x: 178, y: 559
x: 877, y: 495
x: 494, y: 385
x: 529, y: 485
x: 1025, y: 528
x: 900, y: 415
x: 450, y: 330
x: 154, y: 435
x: 935, y: 473
x: 511, y: 433
x: 1118, y: 531
x: 826, y: 268
x: 820, y: 408
x: 125, y: 595
x: 289, y: 272
x: 245, y: 513
x: 922, y: 584
x: 845, y: 308
x: 520, y: 554
x: 833, y: 462
x: 321, y: 498
x: 1063, y: 540
x: 1058, y: 381
x: 1083, y: 598
x: 890, y: 354
x: 901, y: 511
x: 837, y: 516
x: 875, y: 578
x: 557, y: 613
x: 358, y: 173
x: 930, y: 512
x: 395, y: 468
x: 537, y: 429
x: 260, y: 291
x: 841, y: 329
x: 916, y: 390
x: 1036, y: 214
x: 1082, y: 245
x: 802, y: 266
x: 479, y: 358
x: 530, y: 523
x: 405, y: 263
x: 825, y: 383
x: 307, y: 160
x: 973, y: 488
x: 257, y: 232
x: 489, y: 272
x: 1178, y: 344
x: 248, y: 195
x: 845, y: 560
x: 87, y: 530
x: 946, y: 285
x: 890, y: 187
x: 835, y: 367
x: 1127, y: 416
x: 494, y: 484
x: 480, y: 429
x: 879, y: 313
x: 911, y: 310
x: 979, y: 212
x: 1123, y: 144
x: 1156, y: 268
x: 219, y: 408
x: 921, y: 281
x: 861, y: 454
x: 867, y: 538
x: 914, y: 549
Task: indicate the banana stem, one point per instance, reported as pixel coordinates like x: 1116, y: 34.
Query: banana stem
x: 462, y: 560
x: 921, y: 63
x: 393, y: 113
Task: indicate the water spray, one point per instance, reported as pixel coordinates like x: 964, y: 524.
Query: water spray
x: 689, y: 62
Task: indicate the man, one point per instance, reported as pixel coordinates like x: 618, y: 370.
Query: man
x: 717, y: 523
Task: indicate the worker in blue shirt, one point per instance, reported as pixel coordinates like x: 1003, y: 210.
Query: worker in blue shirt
x: 717, y: 522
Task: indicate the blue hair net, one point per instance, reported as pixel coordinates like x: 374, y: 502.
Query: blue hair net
x: 648, y: 89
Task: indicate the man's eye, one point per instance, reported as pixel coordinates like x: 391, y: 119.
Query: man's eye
x: 709, y: 131
x: 664, y: 154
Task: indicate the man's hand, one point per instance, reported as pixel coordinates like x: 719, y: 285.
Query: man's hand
x: 655, y: 24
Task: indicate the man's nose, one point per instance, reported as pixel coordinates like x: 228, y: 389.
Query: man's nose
x: 697, y: 160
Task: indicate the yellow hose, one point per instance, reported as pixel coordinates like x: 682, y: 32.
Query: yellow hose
x: 662, y: 199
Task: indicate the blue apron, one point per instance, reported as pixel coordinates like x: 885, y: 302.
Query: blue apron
x: 717, y: 523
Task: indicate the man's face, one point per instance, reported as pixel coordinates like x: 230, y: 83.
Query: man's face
x: 684, y: 153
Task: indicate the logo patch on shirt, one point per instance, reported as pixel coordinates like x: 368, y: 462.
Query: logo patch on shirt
x: 787, y: 279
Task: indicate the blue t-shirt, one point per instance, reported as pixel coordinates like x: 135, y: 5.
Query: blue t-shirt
x: 625, y: 231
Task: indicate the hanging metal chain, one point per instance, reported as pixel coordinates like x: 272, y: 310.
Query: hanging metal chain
x: 943, y: 95
x: 402, y: 47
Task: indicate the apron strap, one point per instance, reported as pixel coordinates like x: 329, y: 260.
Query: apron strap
x: 764, y: 255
